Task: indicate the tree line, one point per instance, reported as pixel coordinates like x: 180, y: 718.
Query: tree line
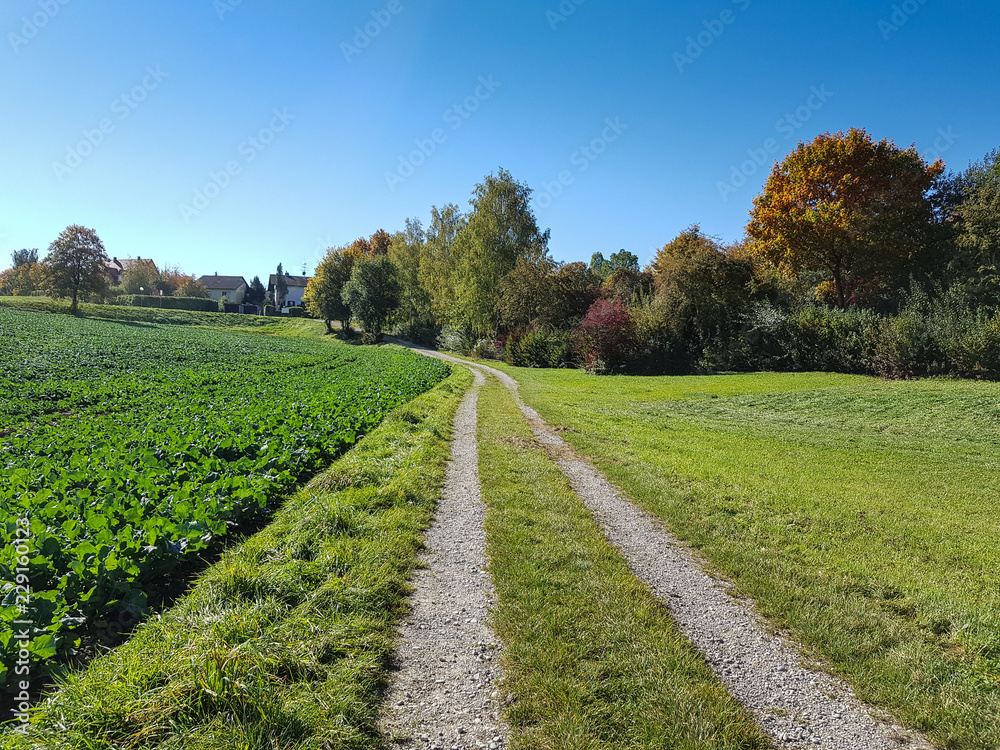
x: 76, y: 268
x: 859, y: 256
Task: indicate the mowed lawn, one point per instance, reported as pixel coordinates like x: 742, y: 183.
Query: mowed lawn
x: 863, y: 515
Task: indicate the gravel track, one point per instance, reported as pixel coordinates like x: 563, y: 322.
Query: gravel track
x: 798, y: 704
x: 445, y: 694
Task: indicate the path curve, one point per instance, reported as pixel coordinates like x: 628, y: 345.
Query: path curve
x: 797, y: 705
x: 445, y: 694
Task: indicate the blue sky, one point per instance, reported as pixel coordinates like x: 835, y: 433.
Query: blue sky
x: 228, y: 136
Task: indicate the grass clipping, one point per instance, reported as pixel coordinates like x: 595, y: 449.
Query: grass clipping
x: 285, y: 641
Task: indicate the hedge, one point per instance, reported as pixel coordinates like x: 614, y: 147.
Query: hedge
x: 197, y: 304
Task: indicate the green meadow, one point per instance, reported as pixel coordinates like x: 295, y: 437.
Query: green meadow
x: 860, y: 514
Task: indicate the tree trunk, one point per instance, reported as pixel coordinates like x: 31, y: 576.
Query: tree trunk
x: 838, y: 281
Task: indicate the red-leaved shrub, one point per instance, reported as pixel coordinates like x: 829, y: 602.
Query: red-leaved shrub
x: 605, y: 337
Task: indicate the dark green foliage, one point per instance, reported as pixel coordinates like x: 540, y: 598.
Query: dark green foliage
x: 256, y: 293
x: 280, y: 286
x: 539, y: 348
x: 24, y: 257
x: 373, y: 293
x: 195, y: 304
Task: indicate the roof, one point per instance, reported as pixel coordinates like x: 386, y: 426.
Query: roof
x: 126, y: 263
x: 290, y: 281
x: 223, y: 283
x: 129, y: 262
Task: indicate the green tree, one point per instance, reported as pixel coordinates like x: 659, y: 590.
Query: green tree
x: 597, y: 262
x: 438, y: 261
x: 525, y: 292
x: 190, y: 287
x: 843, y: 204
x: 256, y: 293
x: 604, y: 267
x: 323, y: 297
x: 406, y: 251
x: 501, y: 229
x: 24, y: 257
x: 76, y: 265
x: 703, y: 288
x: 540, y: 293
x: 373, y: 294
x: 979, y: 226
x: 25, y: 276
x: 280, y: 287
x: 140, y: 277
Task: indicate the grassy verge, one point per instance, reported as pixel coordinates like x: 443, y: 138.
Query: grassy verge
x: 141, y: 315
x: 594, y: 660
x: 284, y: 642
x: 859, y: 513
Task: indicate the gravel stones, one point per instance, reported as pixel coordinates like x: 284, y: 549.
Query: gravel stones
x: 446, y: 693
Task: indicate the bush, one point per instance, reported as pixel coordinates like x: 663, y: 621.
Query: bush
x: 605, y: 337
x: 297, y: 312
x: 811, y: 339
x: 659, y: 346
x: 195, y: 304
x: 418, y: 334
x: 453, y: 340
x: 488, y: 349
x: 539, y: 348
x: 974, y: 350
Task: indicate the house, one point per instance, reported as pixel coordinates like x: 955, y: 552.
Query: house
x: 296, y: 289
x: 117, y: 268
x: 233, y: 288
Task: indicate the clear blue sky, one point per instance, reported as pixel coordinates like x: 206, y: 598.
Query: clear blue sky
x: 304, y: 123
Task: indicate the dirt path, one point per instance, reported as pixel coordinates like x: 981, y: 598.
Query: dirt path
x: 444, y: 695
x: 797, y: 704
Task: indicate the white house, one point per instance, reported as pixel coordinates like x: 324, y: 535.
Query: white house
x: 232, y: 288
x: 296, y: 288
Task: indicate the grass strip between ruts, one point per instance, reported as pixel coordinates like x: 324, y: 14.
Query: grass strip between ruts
x: 285, y: 641
x: 594, y: 660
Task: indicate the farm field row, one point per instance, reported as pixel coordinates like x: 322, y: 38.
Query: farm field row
x: 858, y: 513
x: 130, y: 450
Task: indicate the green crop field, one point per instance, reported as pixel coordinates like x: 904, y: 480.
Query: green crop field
x: 129, y: 450
x: 859, y: 513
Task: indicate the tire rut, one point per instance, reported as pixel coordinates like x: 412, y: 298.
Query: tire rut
x: 445, y: 691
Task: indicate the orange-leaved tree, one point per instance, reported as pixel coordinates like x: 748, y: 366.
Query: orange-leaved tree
x: 846, y: 205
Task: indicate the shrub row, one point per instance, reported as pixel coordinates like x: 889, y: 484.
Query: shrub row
x: 195, y: 304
